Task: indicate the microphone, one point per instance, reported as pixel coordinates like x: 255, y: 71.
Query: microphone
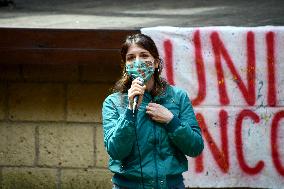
x: 136, y: 98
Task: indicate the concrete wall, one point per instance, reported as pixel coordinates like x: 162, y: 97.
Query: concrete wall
x: 50, y: 126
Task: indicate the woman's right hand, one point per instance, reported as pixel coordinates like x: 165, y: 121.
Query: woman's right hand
x: 137, y: 88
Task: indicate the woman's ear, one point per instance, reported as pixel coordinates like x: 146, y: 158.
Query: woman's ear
x: 157, y: 62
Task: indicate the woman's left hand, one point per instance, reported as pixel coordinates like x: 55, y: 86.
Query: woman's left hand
x: 159, y: 113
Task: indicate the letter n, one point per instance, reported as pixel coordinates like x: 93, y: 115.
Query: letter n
x: 219, y: 52
x: 221, y: 156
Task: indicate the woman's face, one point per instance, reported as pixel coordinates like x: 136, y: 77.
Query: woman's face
x: 137, y: 53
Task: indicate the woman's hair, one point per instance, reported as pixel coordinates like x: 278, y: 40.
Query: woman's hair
x: 145, y: 42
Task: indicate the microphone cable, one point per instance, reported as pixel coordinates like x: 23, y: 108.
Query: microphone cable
x: 137, y: 144
x: 134, y: 108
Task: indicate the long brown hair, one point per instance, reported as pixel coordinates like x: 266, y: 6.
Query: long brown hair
x: 145, y: 42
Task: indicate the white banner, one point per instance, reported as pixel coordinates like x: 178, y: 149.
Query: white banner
x: 235, y: 79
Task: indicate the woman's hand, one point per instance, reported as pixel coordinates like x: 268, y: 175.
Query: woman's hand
x: 159, y: 113
x: 136, y: 89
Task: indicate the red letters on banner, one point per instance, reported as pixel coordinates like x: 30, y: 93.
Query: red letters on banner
x: 200, y: 70
x: 219, y: 51
x: 271, y: 69
x: 239, y: 143
x: 169, y: 61
x: 274, y: 144
x: 248, y: 91
x: 221, y: 156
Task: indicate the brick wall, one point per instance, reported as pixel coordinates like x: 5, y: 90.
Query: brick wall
x: 50, y: 126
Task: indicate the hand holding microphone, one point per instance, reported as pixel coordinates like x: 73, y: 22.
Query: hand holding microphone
x: 135, y: 93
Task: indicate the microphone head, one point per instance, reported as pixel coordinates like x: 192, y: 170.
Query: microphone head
x: 137, y: 96
x: 141, y: 80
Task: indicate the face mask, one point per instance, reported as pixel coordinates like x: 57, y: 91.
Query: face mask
x: 141, y: 69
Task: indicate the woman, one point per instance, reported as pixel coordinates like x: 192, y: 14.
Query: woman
x: 147, y: 144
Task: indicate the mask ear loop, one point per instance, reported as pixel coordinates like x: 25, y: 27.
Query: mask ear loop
x: 159, y: 61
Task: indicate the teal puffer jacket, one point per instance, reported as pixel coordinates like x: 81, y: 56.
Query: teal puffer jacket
x: 162, y: 146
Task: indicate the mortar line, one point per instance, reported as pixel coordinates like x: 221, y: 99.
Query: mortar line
x: 53, y: 167
x: 36, y: 146
x: 95, y: 146
x: 52, y: 122
x: 58, y: 179
x: 1, y: 177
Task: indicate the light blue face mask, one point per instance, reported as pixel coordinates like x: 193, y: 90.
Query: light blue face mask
x: 140, y: 69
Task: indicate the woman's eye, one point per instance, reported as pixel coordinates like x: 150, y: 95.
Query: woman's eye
x: 130, y: 58
x: 144, y: 55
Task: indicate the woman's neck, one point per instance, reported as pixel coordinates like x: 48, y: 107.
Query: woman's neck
x: 150, y: 84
